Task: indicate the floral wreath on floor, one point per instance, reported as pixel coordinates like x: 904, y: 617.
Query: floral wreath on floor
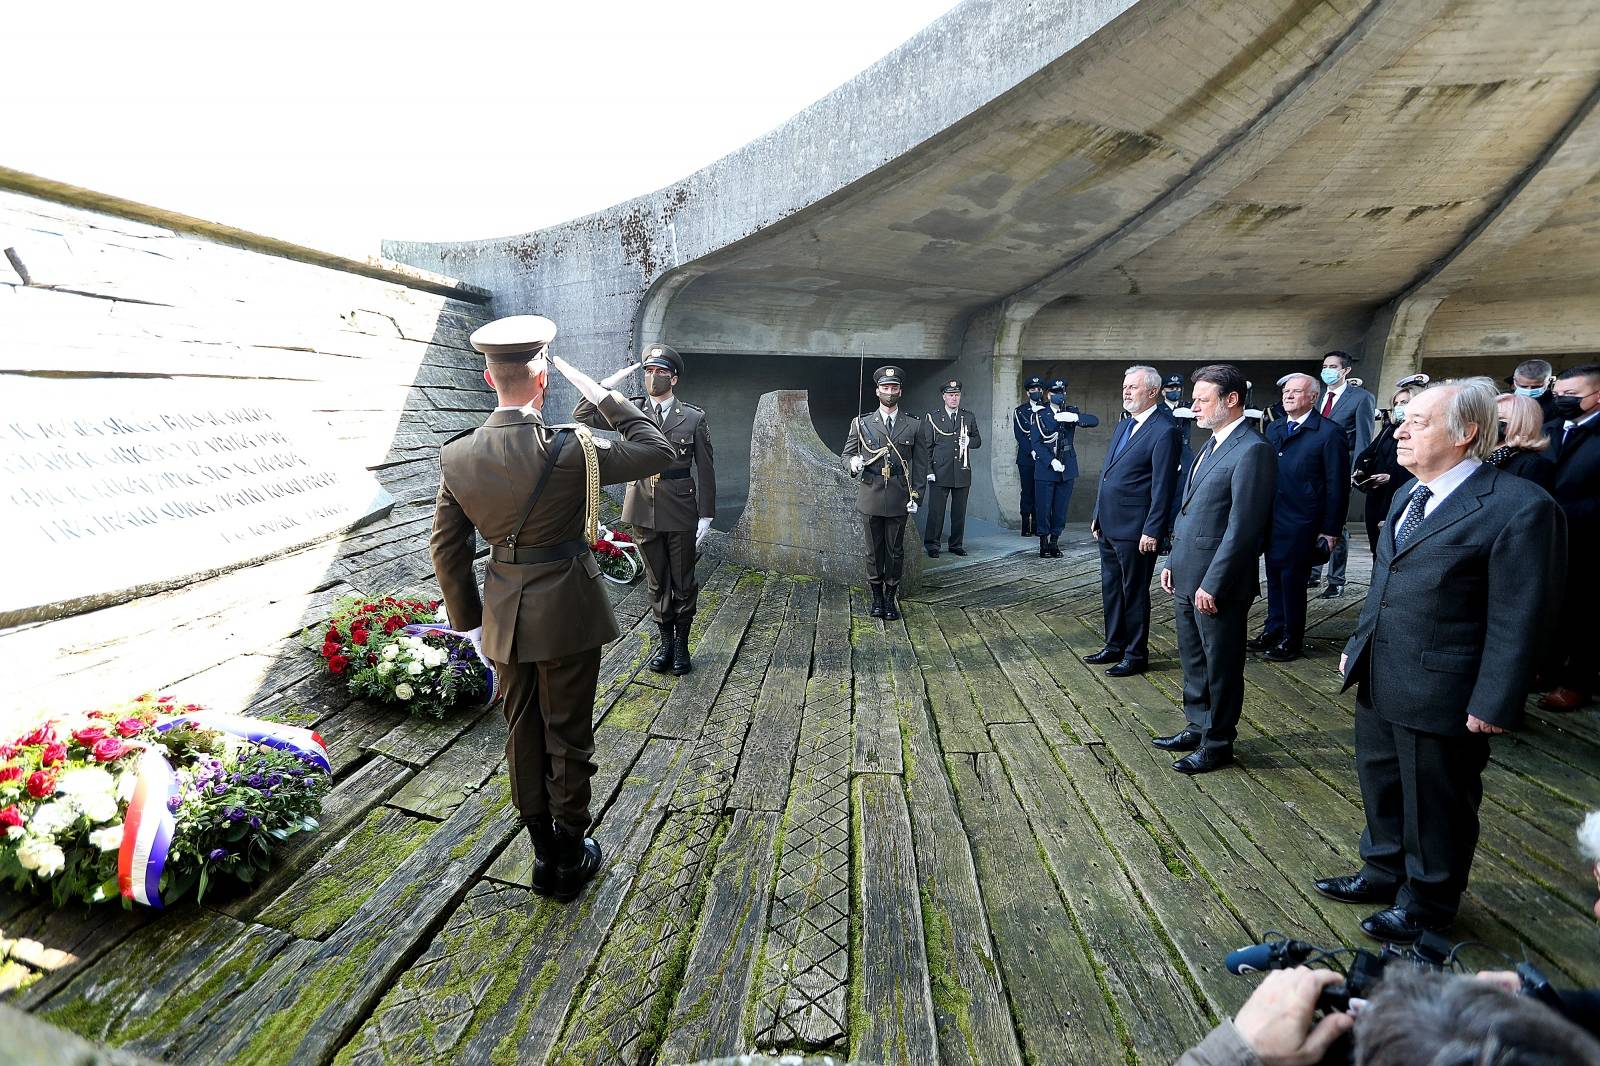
x: 400, y: 651
x: 151, y: 800
x: 617, y: 555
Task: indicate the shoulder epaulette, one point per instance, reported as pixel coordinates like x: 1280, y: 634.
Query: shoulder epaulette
x: 636, y: 400
x: 692, y: 407
x: 458, y: 436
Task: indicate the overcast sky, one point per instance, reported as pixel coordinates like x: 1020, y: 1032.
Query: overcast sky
x: 338, y: 123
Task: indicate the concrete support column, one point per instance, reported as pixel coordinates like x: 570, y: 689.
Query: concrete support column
x: 1005, y: 372
x: 1395, y: 337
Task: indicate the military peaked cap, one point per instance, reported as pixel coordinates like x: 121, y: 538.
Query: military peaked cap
x: 951, y: 386
x: 889, y: 375
x: 517, y: 339
x: 1035, y: 382
x: 1174, y: 381
x: 660, y: 355
x: 1058, y: 385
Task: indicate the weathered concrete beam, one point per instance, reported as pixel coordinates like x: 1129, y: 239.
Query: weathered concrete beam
x: 1005, y: 373
x: 1567, y: 164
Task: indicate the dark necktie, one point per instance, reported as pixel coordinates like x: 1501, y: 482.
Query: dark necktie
x: 1294, y: 427
x: 1327, y: 406
x: 1124, y: 432
x: 1205, y: 453
x: 1414, y: 515
x: 888, y: 425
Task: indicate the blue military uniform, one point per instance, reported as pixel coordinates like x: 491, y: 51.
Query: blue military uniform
x: 1021, y: 427
x: 1172, y: 395
x: 1050, y: 439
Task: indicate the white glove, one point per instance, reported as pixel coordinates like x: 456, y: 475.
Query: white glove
x: 476, y: 637
x: 587, y: 386
x: 911, y: 508
x: 1182, y: 412
x: 1067, y: 416
x: 1252, y: 412
x: 1034, y: 455
x: 930, y: 477
x: 701, y: 528
x: 612, y: 380
x: 856, y: 464
x: 1057, y: 466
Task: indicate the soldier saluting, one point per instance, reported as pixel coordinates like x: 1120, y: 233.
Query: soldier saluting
x: 952, y: 436
x: 530, y: 490
x: 671, y: 510
x: 888, y: 453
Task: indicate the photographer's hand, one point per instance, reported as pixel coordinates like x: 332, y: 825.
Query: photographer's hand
x: 1276, y: 1021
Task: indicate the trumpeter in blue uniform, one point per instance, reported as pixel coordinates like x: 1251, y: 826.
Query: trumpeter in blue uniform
x: 1051, y: 430
x: 1021, y: 428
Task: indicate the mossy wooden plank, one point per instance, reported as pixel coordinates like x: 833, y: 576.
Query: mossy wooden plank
x: 418, y: 738
x: 352, y: 729
x: 960, y: 720
x: 1150, y: 990
x: 707, y: 1019
x: 891, y: 1008
x: 346, y: 875
x: 1061, y: 1012
x: 444, y: 784
x: 766, y: 761
x: 993, y: 694
x: 1046, y: 705
x: 714, y: 649
x: 507, y: 964
x: 63, y: 943
x: 876, y: 725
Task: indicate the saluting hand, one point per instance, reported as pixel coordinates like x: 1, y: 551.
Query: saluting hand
x: 611, y: 381
x: 587, y: 387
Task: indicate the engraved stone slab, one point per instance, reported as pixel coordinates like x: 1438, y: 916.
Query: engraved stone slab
x: 115, y: 490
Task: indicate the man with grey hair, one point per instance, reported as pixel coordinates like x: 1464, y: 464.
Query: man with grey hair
x: 1463, y: 588
x: 1533, y: 378
x: 1132, y: 515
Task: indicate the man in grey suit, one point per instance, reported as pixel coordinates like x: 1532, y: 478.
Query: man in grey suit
x: 1464, y: 587
x: 1354, y: 410
x: 1212, y: 572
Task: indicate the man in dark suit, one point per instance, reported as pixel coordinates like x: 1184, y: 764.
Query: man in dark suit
x: 887, y: 452
x: 1212, y: 571
x: 1055, y: 464
x: 1575, y: 444
x: 1313, y: 495
x: 1354, y: 410
x: 544, y: 614
x: 1021, y: 427
x: 671, y: 510
x: 1132, y: 516
x: 1463, y: 587
x: 952, y: 436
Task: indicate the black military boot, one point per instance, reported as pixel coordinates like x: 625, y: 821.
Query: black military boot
x: 1027, y: 525
x: 543, y: 835
x: 877, y: 599
x: 577, y: 860
x: 891, y: 609
x: 1044, y: 547
x: 1055, y: 549
x: 661, y: 661
x: 680, y: 648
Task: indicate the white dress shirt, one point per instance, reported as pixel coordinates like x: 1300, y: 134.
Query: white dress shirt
x: 1442, y: 486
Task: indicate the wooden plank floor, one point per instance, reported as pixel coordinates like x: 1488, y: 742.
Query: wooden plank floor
x: 939, y: 840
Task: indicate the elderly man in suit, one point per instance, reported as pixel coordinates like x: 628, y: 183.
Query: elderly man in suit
x: 1463, y: 590
x: 544, y: 614
x: 1355, y: 411
x: 1313, y: 495
x: 887, y: 452
x: 1212, y: 573
x: 1132, y: 516
x: 1574, y: 435
x: 952, y: 435
x: 672, y: 510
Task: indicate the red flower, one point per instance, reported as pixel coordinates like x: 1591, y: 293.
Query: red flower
x: 192, y: 707
x: 98, y: 714
x: 142, y: 699
x: 41, y: 783
x: 130, y: 727
x: 358, y: 636
x: 89, y: 734
x: 165, y: 699
x: 619, y: 535
x: 338, y: 663
x: 53, y: 753
x: 11, y: 816
x: 109, y: 750
x: 9, y: 773
x: 43, y: 735
x: 8, y: 751
x: 392, y: 623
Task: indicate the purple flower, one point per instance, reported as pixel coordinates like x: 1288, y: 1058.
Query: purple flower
x: 255, y: 780
x: 174, y: 803
x: 219, y: 788
x: 255, y: 823
x: 266, y: 793
x: 218, y: 853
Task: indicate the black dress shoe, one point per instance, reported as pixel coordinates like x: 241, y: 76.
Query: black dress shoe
x: 933, y: 553
x: 1203, y: 762
x: 1332, y: 592
x: 1127, y: 668
x: 1103, y: 656
x: 1355, y: 888
x: 1263, y: 642
x: 1396, y: 925
x: 1283, y: 653
x: 958, y: 551
x: 1185, y: 740
x: 1313, y: 582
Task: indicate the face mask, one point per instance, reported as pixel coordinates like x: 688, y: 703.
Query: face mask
x: 1569, y: 406
x: 1530, y: 393
x: 658, y: 384
x: 1175, y: 395
x: 1036, y: 395
x: 891, y: 402
x: 1502, y: 438
x: 1330, y: 376
x: 1399, y: 412
x: 1058, y: 397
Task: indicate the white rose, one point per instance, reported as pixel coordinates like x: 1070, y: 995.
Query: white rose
x: 100, y: 807
x: 391, y: 650
x: 384, y: 667
x: 86, y: 781
x: 436, y: 657
x: 15, y: 831
x: 414, y: 668
x: 41, y: 856
x: 53, y: 817
x: 126, y: 784
x: 108, y: 838
x: 404, y: 691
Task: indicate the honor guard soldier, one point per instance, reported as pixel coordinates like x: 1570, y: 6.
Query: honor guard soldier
x: 672, y: 510
x: 1055, y: 464
x: 531, y: 491
x: 1172, y: 396
x: 952, y: 436
x: 1022, y: 428
x: 887, y: 452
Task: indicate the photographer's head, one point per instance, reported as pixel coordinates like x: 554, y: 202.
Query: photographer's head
x: 1435, y: 1019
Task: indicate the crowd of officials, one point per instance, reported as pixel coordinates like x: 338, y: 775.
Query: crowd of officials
x: 1482, y: 505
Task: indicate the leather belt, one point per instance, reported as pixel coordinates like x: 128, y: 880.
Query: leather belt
x: 673, y: 475
x: 567, y: 549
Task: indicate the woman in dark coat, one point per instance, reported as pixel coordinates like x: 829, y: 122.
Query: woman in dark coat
x: 1523, y: 445
x: 1378, y: 472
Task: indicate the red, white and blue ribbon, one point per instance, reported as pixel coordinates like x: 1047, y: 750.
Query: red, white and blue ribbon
x: 420, y: 630
x: 147, y: 831
x: 290, y: 738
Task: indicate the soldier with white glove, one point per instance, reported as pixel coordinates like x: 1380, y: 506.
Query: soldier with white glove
x: 887, y: 452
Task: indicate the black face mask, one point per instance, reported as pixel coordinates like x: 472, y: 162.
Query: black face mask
x: 1036, y: 395
x: 1502, y: 438
x: 1568, y: 407
x: 1058, y: 397
x: 1175, y: 395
